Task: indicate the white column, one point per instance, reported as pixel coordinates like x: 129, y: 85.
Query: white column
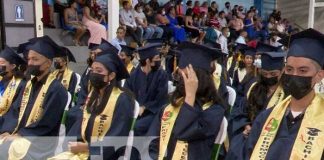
x: 311, y: 13
x: 38, y: 18
x: 113, y: 18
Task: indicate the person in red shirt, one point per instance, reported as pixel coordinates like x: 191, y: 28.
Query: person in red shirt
x: 196, y: 8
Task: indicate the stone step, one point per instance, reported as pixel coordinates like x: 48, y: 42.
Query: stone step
x: 64, y: 38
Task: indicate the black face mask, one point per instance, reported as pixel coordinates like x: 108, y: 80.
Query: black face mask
x: 34, y: 70
x: 97, y: 80
x: 227, y: 6
x: 157, y: 65
x: 268, y: 81
x: 3, y: 71
x: 57, y: 65
x: 297, y: 86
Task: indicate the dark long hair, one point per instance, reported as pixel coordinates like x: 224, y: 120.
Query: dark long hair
x: 206, y: 91
x: 256, y: 100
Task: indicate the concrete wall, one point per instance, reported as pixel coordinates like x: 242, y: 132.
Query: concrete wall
x: 297, y: 12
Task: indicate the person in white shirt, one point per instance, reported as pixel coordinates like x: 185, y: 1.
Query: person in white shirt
x: 242, y: 37
x: 120, y: 39
x: 127, y: 19
x: 141, y: 21
x: 222, y: 40
x: 228, y: 9
x: 222, y: 19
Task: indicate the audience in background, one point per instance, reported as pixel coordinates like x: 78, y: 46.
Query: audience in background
x: 97, y: 31
x: 71, y: 21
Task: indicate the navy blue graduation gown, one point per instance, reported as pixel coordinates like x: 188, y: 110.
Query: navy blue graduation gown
x: 49, y: 123
x: 282, y: 145
x: 196, y: 126
x: 120, y: 126
x: 150, y: 91
x: 19, y: 91
x: 75, y: 112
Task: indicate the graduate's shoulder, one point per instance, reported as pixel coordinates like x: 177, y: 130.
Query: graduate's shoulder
x: 263, y: 116
x: 56, y: 86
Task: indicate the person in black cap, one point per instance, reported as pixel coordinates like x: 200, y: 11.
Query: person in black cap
x: 107, y: 99
x: 295, y: 124
x: 220, y: 75
x: 188, y: 126
x: 75, y: 112
x: 12, y: 68
x: 245, y: 73
x: 149, y: 83
x: 63, y: 73
x: 126, y: 55
x: 40, y: 108
x: 267, y: 92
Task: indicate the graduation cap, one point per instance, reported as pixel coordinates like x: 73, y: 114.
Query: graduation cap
x: 313, y: 131
x: 308, y: 43
x: 11, y: 56
x: 199, y: 56
x: 148, y: 51
x: 272, y: 60
x: 114, y: 64
x: 246, y: 50
x: 67, y: 53
x: 46, y: 47
x: 105, y: 45
x: 212, y: 44
x: 262, y: 47
x: 128, y: 50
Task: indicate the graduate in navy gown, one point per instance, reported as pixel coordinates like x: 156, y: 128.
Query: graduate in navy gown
x: 63, y: 73
x: 75, y: 112
x: 192, y: 120
x: 149, y: 83
x: 38, y: 110
x: 12, y: 68
x: 127, y: 55
x: 267, y: 92
x: 296, y: 123
x: 108, y: 111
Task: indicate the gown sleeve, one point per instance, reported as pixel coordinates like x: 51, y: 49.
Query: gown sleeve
x: 193, y: 123
x: 10, y: 119
x: 161, y: 94
x: 73, y: 83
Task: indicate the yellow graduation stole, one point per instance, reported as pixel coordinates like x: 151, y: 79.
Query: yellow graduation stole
x: 66, y: 77
x: 309, y: 142
x: 37, y: 111
x: 19, y: 147
x: 217, y: 75
x: 101, y: 121
x: 277, y: 96
x: 8, y: 95
x: 130, y: 67
x: 100, y: 128
x: 168, y: 119
x: 229, y: 63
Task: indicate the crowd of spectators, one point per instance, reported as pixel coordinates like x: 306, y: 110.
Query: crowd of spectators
x: 173, y: 21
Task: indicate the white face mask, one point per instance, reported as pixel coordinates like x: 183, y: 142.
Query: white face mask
x: 228, y: 34
x: 257, y: 63
x: 140, y: 10
x: 135, y: 62
x: 163, y: 13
